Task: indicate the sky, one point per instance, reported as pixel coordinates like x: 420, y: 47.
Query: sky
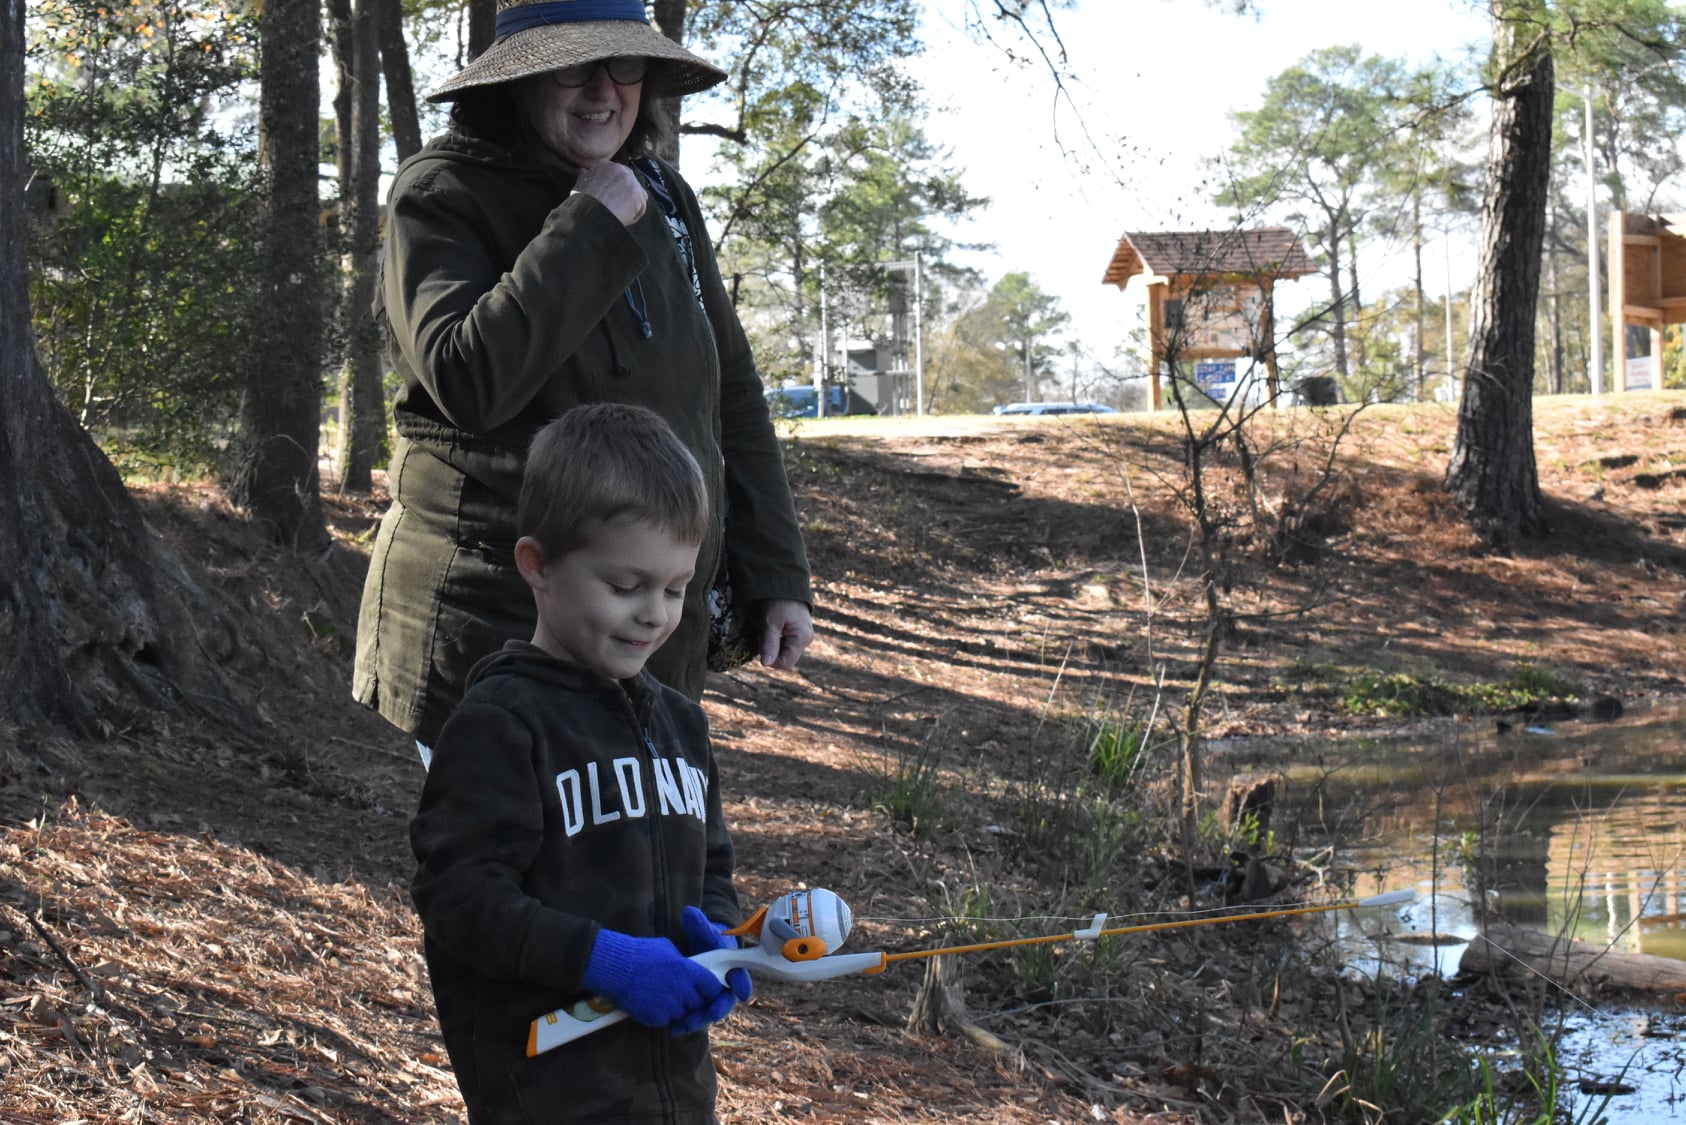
x: 1152, y: 85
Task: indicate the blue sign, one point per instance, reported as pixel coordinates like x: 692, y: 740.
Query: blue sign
x: 1214, y: 373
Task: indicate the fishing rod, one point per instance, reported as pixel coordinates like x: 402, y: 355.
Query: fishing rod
x: 794, y: 934
x: 1094, y: 929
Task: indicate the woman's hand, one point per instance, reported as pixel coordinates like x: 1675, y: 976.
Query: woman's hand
x: 615, y: 187
x: 789, y: 628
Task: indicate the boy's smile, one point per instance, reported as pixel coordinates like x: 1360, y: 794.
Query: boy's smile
x: 611, y: 603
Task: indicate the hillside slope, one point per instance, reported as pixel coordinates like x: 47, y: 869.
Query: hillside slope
x: 200, y: 925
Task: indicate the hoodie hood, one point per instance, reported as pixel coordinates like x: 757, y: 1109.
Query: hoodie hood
x: 528, y: 661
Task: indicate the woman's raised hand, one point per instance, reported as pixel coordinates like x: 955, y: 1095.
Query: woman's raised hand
x: 615, y: 187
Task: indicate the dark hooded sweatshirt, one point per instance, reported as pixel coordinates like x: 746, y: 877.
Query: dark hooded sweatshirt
x: 559, y: 802
x: 510, y: 298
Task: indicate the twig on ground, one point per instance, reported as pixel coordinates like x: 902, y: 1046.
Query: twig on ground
x: 93, y: 989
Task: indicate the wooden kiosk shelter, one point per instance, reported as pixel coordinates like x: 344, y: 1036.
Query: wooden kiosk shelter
x: 1647, y: 288
x: 1209, y: 294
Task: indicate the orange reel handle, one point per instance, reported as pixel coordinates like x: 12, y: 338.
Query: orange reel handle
x: 750, y: 926
x: 803, y: 949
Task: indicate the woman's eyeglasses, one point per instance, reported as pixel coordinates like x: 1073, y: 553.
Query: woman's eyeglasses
x: 624, y: 70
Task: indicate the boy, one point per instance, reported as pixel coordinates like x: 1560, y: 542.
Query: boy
x: 569, y: 838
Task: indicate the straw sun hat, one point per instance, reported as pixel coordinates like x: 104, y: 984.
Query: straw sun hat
x: 536, y: 36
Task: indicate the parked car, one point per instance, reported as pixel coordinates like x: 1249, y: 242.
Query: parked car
x: 1054, y: 408
x: 803, y: 402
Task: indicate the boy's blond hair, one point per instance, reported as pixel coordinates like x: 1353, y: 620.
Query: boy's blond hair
x: 608, y: 463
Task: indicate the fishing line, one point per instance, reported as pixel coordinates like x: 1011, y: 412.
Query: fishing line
x: 1491, y: 944
x: 960, y: 920
x: 1098, y: 929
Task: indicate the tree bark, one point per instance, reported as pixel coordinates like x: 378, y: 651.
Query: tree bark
x: 1418, y: 363
x: 670, y: 20
x: 1554, y: 311
x: 362, y: 400
x: 1337, y: 297
x: 400, y: 81
x: 275, y: 473
x: 1492, y: 473
x: 482, y: 25
x: 1575, y: 965
x: 98, y: 620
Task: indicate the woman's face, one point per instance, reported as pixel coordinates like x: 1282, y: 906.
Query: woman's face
x: 584, y: 125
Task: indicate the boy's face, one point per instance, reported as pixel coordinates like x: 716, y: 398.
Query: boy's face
x: 611, y: 603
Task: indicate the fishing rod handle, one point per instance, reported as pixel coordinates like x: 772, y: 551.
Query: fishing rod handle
x: 564, y: 1025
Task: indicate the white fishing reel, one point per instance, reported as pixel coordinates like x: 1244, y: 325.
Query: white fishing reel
x: 802, y: 925
x: 789, y: 939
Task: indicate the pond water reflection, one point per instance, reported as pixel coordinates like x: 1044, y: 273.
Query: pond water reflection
x: 1573, y: 828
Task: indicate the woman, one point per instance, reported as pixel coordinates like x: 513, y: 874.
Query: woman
x: 532, y: 264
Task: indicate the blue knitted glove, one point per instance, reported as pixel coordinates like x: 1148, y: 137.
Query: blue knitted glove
x: 649, y: 980
x: 703, y: 935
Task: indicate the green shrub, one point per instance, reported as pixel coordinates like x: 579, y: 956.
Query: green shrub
x: 142, y: 269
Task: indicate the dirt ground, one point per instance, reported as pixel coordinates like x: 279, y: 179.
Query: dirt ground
x: 202, y: 925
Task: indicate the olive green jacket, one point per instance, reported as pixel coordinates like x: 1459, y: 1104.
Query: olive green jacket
x: 509, y: 299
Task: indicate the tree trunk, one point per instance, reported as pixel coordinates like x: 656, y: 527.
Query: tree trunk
x: 1337, y: 298
x: 1578, y: 966
x: 362, y: 435
x: 98, y: 620
x: 670, y: 20
x: 939, y: 1007
x: 275, y: 473
x: 1554, y: 308
x: 1492, y: 473
x: 482, y: 25
x: 400, y: 83
x: 1418, y: 361
x: 1358, y: 353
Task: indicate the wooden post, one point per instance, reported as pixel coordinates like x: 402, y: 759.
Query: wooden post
x: 1618, y: 316
x: 1156, y: 338
x: 1267, y: 337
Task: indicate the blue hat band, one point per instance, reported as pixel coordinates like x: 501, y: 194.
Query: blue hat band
x: 511, y: 20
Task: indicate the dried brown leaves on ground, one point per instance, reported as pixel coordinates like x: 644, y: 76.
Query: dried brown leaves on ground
x: 202, y: 926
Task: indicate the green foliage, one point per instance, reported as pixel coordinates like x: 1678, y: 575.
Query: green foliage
x: 1531, y: 1093
x: 1629, y: 55
x: 981, y: 358
x: 1401, y: 1066
x: 142, y: 270
x: 1083, y: 832
x: 1386, y: 343
x: 1115, y: 752
x: 1042, y: 972
x: 828, y: 171
x: 1338, y: 140
x: 1395, y: 694
x: 909, y: 786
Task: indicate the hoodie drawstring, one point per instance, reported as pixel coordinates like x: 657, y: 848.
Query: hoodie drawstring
x: 639, y: 308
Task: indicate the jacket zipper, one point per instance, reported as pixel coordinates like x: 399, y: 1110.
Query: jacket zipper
x: 662, y: 1064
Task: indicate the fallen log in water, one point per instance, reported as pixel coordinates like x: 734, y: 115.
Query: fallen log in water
x: 1509, y: 951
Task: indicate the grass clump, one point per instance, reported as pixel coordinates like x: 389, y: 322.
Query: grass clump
x: 1398, y: 1064
x: 1116, y: 750
x: 907, y: 784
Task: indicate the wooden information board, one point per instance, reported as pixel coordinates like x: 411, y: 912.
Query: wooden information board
x: 1647, y: 288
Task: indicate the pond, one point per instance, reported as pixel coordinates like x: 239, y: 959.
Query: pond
x: 1573, y: 829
